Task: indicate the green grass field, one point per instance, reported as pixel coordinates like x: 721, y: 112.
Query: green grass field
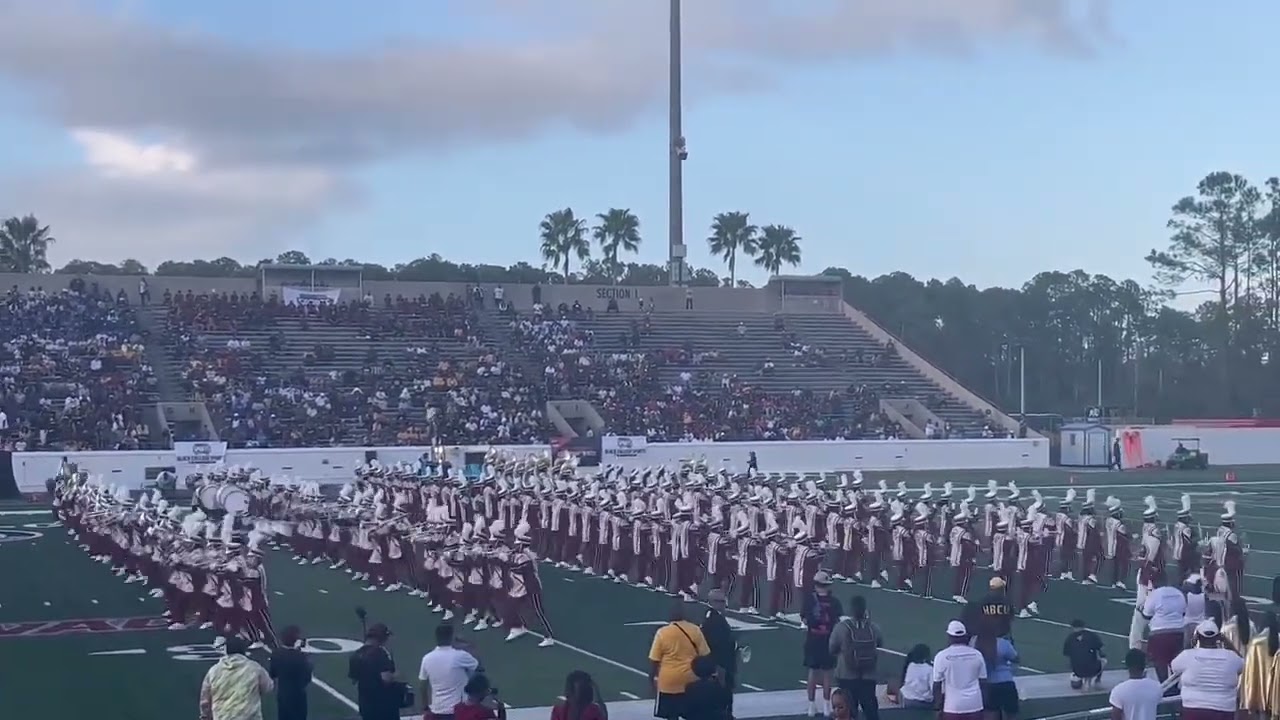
x: 67, y: 623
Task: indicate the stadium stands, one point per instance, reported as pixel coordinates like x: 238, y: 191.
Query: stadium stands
x: 409, y: 363
x: 73, y: 375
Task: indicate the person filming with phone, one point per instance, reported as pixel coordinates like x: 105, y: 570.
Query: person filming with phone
x: 374, y: 673
x: 446, y: 674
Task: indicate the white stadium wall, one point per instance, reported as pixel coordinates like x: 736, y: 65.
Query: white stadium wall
x: 1142, y: 445
x: 337, y: 465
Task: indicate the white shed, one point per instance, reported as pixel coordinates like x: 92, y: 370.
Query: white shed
x: 1084, y: 444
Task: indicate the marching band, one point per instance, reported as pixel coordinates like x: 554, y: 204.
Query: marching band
x: 470, y: 548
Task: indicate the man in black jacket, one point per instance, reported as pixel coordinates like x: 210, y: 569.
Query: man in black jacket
x: 721, y: 641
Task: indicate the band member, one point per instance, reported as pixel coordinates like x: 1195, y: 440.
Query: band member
x: 1227, y: 556
x: 1185, y: 541
x: 1089, y: 540
x: 1064, y: 537
x: 963, y: 553
x: 1030, y: 561
x: 902, y: 548
x: 925, y: 545
x: 1151, y: 561
x: 1117, y: 549
x: 526, y: 590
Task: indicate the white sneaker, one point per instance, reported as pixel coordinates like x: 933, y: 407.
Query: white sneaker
x: 875, y: 585
x: 482, y: 625
x: 516, y: 633
x: 813, y: 708
x: 1024, y: 613
x: 177, y: 626
x: 1035, y: 609
x: 448, y: 615
x: 206, y: 626
x: 546, y: 642
x: 960, y: 599
x: 470, y: 619
x: 219, y: 641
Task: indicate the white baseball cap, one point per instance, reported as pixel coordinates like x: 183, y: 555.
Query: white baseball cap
x: 956, y: 629
x: 1207, y: 628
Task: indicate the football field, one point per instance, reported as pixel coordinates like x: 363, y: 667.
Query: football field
x: 73, y: 636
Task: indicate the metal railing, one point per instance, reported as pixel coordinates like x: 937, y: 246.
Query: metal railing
x: 1168, y: 707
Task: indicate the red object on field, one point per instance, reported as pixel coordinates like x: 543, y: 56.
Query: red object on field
x: 1231, y: 476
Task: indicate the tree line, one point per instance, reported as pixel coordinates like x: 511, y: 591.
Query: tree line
x: 1072, y: 328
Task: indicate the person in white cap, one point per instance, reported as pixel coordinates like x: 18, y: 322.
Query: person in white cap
x: 1210, y: 676
x: 959, y: 677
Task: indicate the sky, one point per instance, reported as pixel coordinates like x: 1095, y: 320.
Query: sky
x: 982, y: 139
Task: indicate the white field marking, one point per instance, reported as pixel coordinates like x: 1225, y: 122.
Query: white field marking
x: 593, y: 656
x: 1253, y: 551
x: 805, y: 683
x: 24, y: 512
x: 333, y: 692
x: 748, y: 686
x: 279, y: 593
x: 627, y: 695
x: 95, y: 602
x: 560, y: 698
x: 322, y: 591
x: 47, y: 603
x: 1203, y: 488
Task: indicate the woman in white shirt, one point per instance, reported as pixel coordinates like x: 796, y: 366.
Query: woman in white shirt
x: 959, y: 677
x: 1196, y: 611
x: 916, y: 688
x: 1164, y: 610
x: 1210, y: 676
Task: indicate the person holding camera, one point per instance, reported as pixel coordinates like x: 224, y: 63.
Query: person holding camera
x: 479, y: 701
x: 373, y: 670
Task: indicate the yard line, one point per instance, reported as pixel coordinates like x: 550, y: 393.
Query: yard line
x: 1208, y: 488
x: 334, y: 692
x: 593, y: 656
x: 627, y: 695
x: 748, y: 686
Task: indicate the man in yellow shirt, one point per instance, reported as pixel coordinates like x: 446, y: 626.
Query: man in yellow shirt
x: 675, y: 646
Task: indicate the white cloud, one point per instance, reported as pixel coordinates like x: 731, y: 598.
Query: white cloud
x: 260, y: 141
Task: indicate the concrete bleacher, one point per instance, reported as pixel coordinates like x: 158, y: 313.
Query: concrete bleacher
x: 815, y: 317
x: 743, y: 354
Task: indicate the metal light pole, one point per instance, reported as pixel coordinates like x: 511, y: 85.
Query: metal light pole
x: 1022, y: 382
x: 676, y: 153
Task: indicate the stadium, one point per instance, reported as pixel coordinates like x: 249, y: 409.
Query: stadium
x: 558, y: 461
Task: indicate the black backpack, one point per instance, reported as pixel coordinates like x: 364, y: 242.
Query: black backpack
x: 863, y: 650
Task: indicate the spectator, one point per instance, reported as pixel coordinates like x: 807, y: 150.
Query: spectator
x: 1196, y: 608
x: 916, y: 683
x: 990, y: 618
x: 444, y: 674
x: 479, y: 702
x: 1085, y: 655
x: 582, y: 699
x: 373, y: 671
x: 290, y: 668
x: 959, y: 677
x: 1239, y: 629
x: 821, y: 611
x: 1210, y: 676
x: 856, y: 644
x: 841, y: 705
x: 233, y: 688
x: 1001, y: 696
x: 675, y: 646
x: 1256, y: 687
x: 721, y: 641
x: 1164, y: 610
x: 1137, y: 698
x: 706, y: 698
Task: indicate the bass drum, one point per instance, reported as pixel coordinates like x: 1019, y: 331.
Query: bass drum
x: 207, y: 497
x: 233, y: 500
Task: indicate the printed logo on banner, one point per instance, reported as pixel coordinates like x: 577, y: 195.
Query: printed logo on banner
x: 200, y: 453
x: 624, y: 446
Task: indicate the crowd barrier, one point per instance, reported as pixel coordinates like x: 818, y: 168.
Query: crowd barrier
x: 337, y: 465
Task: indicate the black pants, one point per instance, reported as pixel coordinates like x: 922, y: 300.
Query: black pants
x: 862, y: 694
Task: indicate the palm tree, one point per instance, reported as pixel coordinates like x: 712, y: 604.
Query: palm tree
x: 731, y: 233
x: 778, y: 245
x: 24, y: 245
x: 564, y: 237
x: 618, y: 231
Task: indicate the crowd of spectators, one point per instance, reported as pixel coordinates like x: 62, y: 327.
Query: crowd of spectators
x: 73, y: 375
x: 436, y: 381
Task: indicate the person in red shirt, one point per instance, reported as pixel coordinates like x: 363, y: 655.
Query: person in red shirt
x: 479, y: 701
x: 581, y: 699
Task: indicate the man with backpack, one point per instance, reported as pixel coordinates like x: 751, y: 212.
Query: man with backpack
x: 856, y: 643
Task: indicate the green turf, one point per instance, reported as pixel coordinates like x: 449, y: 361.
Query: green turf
x: 49, y: 580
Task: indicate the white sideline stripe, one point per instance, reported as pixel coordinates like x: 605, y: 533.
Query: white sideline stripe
x: 25, y: 512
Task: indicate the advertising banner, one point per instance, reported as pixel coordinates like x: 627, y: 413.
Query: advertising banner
x: 195, y: 457
x: 299, y: 296
x: 616, y: 447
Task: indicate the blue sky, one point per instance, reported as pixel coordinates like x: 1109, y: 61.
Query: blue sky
x: 990, y: 164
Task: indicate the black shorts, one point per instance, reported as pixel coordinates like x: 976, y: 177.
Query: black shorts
x: 817, y: 653
x: 668, y: 707
x: 1001, y: 698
